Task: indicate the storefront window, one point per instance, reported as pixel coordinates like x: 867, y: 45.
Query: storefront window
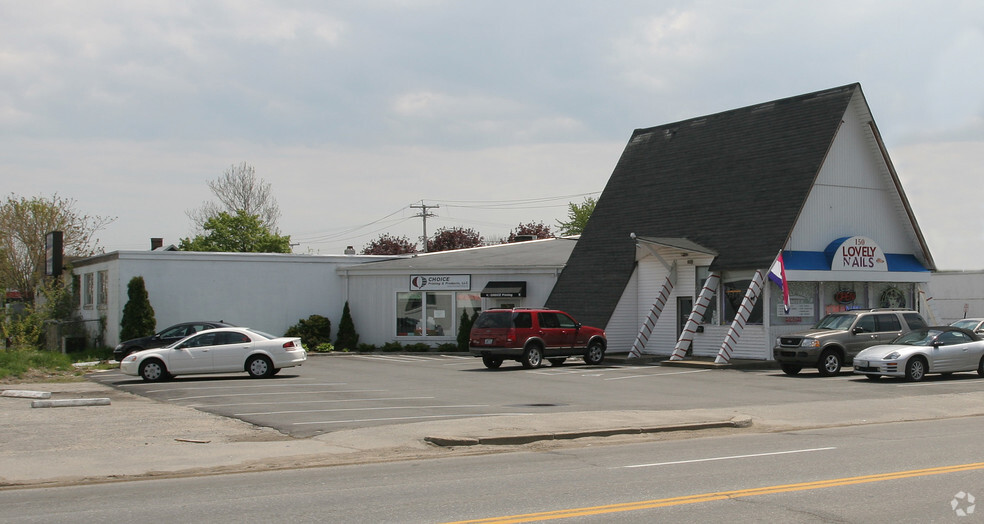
x: 803, y: 308
x: 433, y: 314
x: 734, y: 294
x: 88, y: 292
x: 892, y: 295
x: 409, y: 314
x: 842, y: 296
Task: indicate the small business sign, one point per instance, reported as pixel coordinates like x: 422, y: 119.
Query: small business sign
x: 440, y: 282
x: 858, y: 254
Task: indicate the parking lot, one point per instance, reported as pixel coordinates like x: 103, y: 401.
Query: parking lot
x: 346, y: 390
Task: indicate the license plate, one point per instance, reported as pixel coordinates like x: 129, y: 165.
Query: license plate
x: 488, y: 342
x: 861, y: 363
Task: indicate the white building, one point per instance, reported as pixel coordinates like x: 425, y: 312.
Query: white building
x: 696, y: 212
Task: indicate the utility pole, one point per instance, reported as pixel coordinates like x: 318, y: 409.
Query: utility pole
x: 424, y: 214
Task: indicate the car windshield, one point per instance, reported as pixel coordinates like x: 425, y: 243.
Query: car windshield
x: 919, y: 337
x: 966, y: 324
x: 838, y: 322
x: 496, y: 319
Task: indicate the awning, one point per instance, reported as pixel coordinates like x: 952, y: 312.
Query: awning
x: 505, y: 289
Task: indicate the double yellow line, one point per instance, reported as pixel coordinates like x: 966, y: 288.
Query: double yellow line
x: 723, y: 495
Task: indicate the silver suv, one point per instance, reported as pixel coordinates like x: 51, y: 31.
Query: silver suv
x: 838, y: 337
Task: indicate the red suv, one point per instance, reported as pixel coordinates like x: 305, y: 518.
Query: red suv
x: 531, y: 335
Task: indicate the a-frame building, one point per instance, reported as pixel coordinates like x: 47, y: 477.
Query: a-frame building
x: 708, y: 204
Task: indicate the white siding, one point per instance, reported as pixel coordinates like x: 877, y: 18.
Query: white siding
x: 623, y: 327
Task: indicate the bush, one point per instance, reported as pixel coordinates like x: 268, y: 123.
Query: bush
x: 314, y: 331
x: 138, y: 315
x: 392, y: 346
x: 324, y: 347
x: 464, y: 329
x: 347, y: 337
x: 448, y: 348
x: 419, y: 347
x: 367, y: 348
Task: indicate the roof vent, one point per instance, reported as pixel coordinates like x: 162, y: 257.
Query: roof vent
x: 349, y: 250
x: 524, y: 238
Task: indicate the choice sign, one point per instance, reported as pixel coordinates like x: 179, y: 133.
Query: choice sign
x: 858, y: 254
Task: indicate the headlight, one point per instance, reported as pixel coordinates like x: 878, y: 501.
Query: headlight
x: 130, y: 358
x: 810, y: 343
x: 120, y: 346
x: 892, y: 356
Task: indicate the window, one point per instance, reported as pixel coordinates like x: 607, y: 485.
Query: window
x: 102, y: 279
x: 409, y: 313
x: 88, y: 290
x: 953, y: 337
x: 711, y: 313
x: 430, y: 314
x: 866, y: 324
x: 888, y: 323
x: 914, y: 320
x: 734, y: 295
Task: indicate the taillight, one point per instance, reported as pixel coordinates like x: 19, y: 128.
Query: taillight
x: 289, y: 344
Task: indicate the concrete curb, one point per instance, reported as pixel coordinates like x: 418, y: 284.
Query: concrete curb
x: 70, y: 402
x: 516, y: 440
x: 23, y: 393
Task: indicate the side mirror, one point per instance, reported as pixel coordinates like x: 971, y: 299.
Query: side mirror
x: 857, y: 330
x: 156, y: 336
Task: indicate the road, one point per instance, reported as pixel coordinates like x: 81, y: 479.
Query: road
x: 345, y: 391
x: 871, y: 473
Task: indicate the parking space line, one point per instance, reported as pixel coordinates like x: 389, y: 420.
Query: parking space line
x: 377, y: 408
x: 390, y: 419
x: 659, y: 374
x: 269, y: 393
x: 335, y: 401
x: 284, y: 385
x: 733, y: 457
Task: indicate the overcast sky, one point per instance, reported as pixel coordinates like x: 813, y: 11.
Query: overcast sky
x: 500, y: 112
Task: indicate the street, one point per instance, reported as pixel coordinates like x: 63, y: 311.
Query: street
x: 871, y: 473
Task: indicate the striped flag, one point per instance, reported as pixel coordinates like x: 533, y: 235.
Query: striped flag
x: 777, y: 274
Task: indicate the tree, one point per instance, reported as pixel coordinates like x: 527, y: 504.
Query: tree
x: 347, y: 339
x: 577, y: 217
x: 447, y: 239
x: 138, y: 315
x: 238, y: 189
x: 24, y: 222
x: 535, y: 229
x: 239, y: 233
x: 464, y: 329
x: 390, y: 245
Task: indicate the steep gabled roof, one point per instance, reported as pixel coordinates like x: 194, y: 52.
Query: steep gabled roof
x: 709, y: 180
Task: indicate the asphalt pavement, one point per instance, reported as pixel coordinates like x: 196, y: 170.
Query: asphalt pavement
x: 106, y: 435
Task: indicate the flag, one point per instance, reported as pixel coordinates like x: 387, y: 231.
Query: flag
x: 777, y: 274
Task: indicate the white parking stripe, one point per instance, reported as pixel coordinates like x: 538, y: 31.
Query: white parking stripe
x: 284, y: 385
x: 659, y: 374
x: 336, y: 401
x: 266, y: 394
x: 388, y: 419
x: 378, y: 408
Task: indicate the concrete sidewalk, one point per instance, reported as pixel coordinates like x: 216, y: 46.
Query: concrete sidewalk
x: 135, y: 437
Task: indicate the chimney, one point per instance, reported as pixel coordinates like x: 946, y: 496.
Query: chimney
x: 349, y: 250
x: 156, y: 243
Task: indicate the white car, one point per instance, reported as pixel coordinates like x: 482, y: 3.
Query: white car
x: 222, y: 350
x: 973, y: 324
x: 944, y: 349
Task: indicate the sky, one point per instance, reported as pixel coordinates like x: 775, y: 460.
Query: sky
x: 497, y: 112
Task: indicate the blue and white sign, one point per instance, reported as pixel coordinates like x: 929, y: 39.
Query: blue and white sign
x: 858, y: 254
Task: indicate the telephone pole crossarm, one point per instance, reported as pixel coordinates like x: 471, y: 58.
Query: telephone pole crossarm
x: 424, y: 214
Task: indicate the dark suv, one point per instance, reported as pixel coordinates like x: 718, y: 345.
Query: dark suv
x: 838, y: 337
x: 531, y: 335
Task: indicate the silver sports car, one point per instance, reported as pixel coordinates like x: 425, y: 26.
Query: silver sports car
x: 942, y: 349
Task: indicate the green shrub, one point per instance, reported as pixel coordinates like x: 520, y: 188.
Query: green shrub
x: 324, y: 347
x: 347, y: 337
x: 14, y: 364
x: 392, y: 346
x: 419, y: 347
x: 464, y: 330
x: 367, y: 348
x: 448, y: 348
x: 138, y: 315
x: 313, y: 331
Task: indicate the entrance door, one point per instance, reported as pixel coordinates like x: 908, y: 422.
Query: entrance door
x: 684, y: 306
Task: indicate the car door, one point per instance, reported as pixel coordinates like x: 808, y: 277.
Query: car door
x: 864, y: 334
x: 556, y: 334
x: 949, y: 352
x: 193, y: 355
x: 230, y: 354
x: 172, y: 335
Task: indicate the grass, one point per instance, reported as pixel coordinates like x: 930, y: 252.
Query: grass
x: 32, y: 365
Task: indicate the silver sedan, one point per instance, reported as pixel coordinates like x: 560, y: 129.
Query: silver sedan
x: 943, y: 349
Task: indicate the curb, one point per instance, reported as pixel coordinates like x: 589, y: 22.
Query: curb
x: 70, y: 402
x: 513, y: 440
x: 23, y: 393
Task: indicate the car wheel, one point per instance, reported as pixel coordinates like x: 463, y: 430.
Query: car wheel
x: 830, y: 363
x: 491, y: 362
x: 790, y: 369
x: 532, y: 357
x: 595, y: 353
x: 275, y: 371
x: 980, y: 367
x: 915, y: 369
x: 259, y: 367
x: 557, y: 361
x: 872, y: 377
x: 153, y: 370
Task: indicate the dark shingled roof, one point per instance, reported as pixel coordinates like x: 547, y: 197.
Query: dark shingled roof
x: 733, y: 182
